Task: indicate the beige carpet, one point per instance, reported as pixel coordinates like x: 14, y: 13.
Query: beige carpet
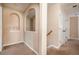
x: 17, y: 49
x: 71, y: 47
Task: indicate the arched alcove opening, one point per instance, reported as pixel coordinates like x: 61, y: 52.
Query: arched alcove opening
x: 30, y: 20
x: 32, y: 28
x: 14, y: 22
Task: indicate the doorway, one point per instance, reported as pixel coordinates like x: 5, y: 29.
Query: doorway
x: 73, y: 31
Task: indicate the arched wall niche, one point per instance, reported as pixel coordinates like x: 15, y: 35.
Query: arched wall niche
x: 30, y: 20
x: 32, y: 35
x: 14, y: 22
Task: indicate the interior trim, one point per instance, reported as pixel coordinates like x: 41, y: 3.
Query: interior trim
x: 12, y: 43
x: 31, y: 48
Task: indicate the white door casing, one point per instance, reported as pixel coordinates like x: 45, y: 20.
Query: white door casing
x: 0, y: 28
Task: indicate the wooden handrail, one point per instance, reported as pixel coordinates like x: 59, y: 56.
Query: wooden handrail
x: 49, y: 33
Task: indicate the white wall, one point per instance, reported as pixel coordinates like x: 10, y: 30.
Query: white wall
x: 31, y: 37
x: 11, y: 37
x: 0, y: 28
x: 55, y: 23
x: 43, y: 29
x: 69, y: 11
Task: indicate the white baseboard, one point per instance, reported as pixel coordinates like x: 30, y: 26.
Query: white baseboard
x: 57, y: 47
x: 13, y: 43
x: 31, y: 48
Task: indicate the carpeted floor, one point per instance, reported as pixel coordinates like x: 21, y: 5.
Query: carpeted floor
x: 71, y: 47
x: 17, y: 49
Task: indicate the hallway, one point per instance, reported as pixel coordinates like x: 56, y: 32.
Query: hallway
x: 17, y: 49
x: 71, y: 47
x: 19, y: 24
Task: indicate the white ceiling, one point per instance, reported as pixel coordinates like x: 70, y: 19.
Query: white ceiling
x: 68, y: 8
x: 17, y: 6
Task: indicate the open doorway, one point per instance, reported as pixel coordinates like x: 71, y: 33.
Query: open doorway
x: 74, y: 32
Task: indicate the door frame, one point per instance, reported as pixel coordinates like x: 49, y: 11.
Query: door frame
x: 1, y: 27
